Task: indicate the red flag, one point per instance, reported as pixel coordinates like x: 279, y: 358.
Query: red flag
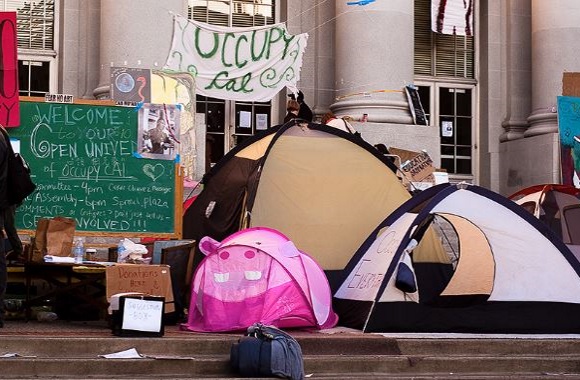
x: 452, y: 17
x: 9, y: 101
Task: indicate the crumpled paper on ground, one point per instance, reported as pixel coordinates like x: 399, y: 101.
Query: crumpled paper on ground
x: 127, y: 354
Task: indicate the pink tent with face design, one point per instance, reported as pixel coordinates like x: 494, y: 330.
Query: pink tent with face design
x: 258, y: 275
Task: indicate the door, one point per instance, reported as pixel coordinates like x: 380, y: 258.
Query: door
x: 456, y: 131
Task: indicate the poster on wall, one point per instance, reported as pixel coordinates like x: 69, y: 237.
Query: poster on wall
x: 569, y: 130
x: 415, y: 105
x: 159, y: 131
x: 130, y: 85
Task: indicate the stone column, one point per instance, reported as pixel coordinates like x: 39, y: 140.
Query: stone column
x: 135, y: 33
x: 79, y: 48
x: 374, y: 51
x: 518, y: 68
x: 555, y: 46
x: 323, y: 39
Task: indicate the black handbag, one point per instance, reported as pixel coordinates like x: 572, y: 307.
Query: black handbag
x: 19, y: 181
x: 267, y: 351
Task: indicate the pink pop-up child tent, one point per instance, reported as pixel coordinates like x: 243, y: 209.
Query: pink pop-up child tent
x: 258, y: 275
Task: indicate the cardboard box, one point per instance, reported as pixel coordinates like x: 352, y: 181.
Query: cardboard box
x: 571, y: 84
x: 154, y: 280
x: 137, y: 315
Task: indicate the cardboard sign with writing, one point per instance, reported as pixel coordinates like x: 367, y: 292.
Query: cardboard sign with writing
x: 417, y: 166
x: 142, y: 314
x: 154, y: 280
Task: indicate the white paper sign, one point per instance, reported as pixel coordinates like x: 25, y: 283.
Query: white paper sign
x: 245, y: 119
x: 447, y: 128
x: 142, y: 315
x: 261, y: 121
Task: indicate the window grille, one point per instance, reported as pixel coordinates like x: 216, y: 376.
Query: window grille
x: 35, y: 22
x: 238, y: 13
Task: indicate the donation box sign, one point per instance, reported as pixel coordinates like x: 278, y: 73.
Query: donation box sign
x: 154, y: 280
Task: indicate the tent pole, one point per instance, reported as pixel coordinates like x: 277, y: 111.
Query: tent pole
x: 369, y: 315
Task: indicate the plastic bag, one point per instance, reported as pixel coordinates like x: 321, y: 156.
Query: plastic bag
x: 130, y: 252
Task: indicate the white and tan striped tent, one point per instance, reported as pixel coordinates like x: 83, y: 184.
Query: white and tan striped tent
x: 508, y: 273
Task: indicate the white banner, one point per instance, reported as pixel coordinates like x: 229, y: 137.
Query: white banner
x: 452, y: 17
x: 249, y: 64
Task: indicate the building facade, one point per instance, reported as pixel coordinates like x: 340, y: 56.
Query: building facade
x: 490, y: 98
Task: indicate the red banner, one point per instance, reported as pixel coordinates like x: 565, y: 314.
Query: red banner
x: 9, y: 102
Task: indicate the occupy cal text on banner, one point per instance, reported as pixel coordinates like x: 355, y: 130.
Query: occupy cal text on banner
x: 250, y: 64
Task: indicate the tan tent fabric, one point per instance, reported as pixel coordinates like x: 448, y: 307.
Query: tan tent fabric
x: 326, y: 207
x: 257, y: 149
x: 476, y: 268
x: 430, y: 249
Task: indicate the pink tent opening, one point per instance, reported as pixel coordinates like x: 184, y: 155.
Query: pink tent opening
x: 258, y: 275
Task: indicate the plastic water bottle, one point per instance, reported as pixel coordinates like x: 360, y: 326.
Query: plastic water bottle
x: 120, y: 249
x: 79, y: 250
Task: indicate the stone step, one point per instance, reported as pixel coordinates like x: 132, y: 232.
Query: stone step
x: 311, y: 344
x: 346, y: 366
x: 215, y: 366
x: 68, y: 351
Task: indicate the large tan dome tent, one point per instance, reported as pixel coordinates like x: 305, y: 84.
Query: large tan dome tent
x: 323, y: 188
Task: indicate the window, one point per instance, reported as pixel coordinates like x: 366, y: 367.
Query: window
x: 35, y: 21
x: 245, y: 117
x: 33, y: 77
x: 455, y: 120
x: 215, y: 120
x: 239, y: 13
x: 444, y: 67
x: 35, y: 34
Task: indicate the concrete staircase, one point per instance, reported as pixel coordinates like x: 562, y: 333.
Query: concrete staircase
x: 344, y: 355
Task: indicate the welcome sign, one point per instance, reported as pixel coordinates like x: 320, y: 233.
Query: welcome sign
x: 250, y: 64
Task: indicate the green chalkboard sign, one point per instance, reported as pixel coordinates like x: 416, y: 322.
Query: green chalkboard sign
x: 83, y: 160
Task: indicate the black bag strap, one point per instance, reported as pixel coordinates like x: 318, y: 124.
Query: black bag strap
x: 346, y: 126
x: 262, y: 331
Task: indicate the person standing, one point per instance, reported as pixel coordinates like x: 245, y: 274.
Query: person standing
x: 292, y: 110
x: 159, y: 137
x: 332, y: 120
x: 305, y: 113
x: 4, y: 205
